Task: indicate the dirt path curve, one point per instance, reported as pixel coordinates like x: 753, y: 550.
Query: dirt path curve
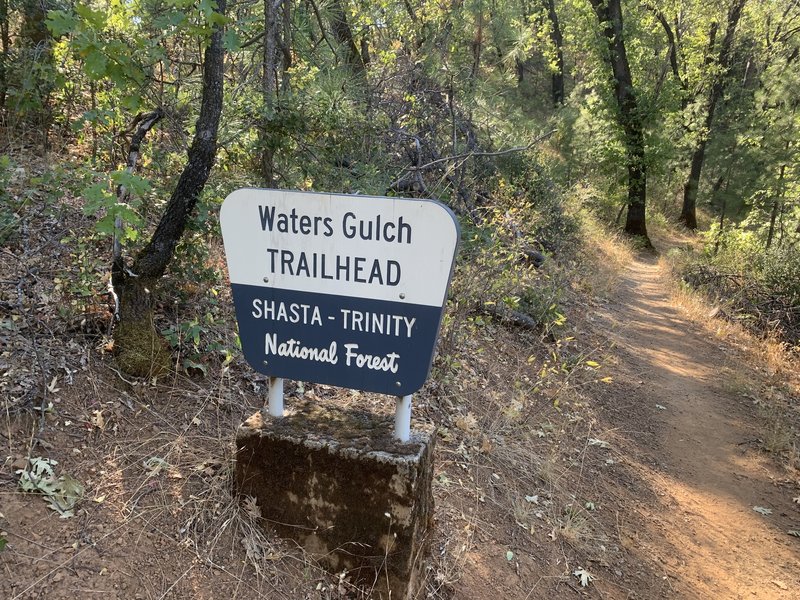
x: 701, y: 459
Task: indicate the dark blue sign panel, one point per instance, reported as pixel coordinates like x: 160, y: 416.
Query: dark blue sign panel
x: 371, y: 345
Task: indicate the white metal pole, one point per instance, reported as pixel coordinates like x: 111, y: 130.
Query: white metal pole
x: 276, y: 396
x: 402, y: 418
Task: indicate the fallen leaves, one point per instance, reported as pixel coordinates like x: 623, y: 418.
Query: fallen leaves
x: 601, y: 443
x: 61, y: 493
x: 583, y: 576
x: 208, y: 467
x: 98, y: 420
x: 154, y: 465
x: 467, y: 423
x: 251, y: 508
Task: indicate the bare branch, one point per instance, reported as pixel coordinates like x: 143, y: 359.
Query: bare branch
x: 467, y: 155
x: 140, y: 126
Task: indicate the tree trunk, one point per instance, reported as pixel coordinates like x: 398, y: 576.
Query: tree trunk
x: 557, y: 80
x: 689, y: 211
x: 4, y: 47
x: 344, y: 35
x: 673, y: 53
x: 477, y: 45
x: 776, y: 205
x: 772, y: 218
x: 140, y: 350
x: 37, y: 45
x: 269, y: 86
x: 722, y: 209
x: 609, y: 15
x: 286, y: 46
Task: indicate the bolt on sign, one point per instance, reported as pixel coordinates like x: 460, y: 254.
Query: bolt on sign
x: 339, y: 289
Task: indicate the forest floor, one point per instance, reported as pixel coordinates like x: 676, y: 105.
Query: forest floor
x: 650, y: 452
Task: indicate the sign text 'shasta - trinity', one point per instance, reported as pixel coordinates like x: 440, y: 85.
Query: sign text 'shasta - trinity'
x: 348, y: 319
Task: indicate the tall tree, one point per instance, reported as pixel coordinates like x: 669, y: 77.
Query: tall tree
x: 36, y: 46
x: 672, y: 53
x: 5, y: 43
x: 140, y: 350
x: 609, y: 15
x: 268, y: 89
x: 344, y: 35
x: 689, y: 211
x: 557, y: 39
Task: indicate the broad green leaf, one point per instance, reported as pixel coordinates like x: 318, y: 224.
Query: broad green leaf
x: 136, y: 185
x: 132, y: 103
x: 60, y: 23
x: 95, y: 18
x: 97, y: 197
x: 232, y: 40
x: 95, y: 63
x: 105, y: 225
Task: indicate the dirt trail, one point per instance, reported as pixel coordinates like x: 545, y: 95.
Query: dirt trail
x: 701, y: 459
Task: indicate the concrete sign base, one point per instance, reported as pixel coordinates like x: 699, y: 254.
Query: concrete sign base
x: 336, y: 481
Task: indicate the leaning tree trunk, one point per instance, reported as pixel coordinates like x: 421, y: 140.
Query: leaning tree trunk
x: 689, y: 210
x: 673, y: 54
x: 609, y: 14
x: 139, y: 348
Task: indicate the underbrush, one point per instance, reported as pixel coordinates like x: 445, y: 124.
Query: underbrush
x: 758, y: 288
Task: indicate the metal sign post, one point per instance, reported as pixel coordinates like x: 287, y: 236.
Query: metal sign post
x: 275, y: 396
x: 402, y: 418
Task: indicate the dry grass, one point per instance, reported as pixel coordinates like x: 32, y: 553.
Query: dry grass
x: 769, y: 354
x: 607, y: 253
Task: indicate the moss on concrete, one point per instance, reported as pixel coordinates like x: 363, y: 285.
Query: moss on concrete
x: 338, y: 483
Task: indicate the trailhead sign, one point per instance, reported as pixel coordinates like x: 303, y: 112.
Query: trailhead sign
x: 339, y: 289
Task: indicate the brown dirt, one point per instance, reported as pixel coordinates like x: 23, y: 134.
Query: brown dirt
x: 701, y: 458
